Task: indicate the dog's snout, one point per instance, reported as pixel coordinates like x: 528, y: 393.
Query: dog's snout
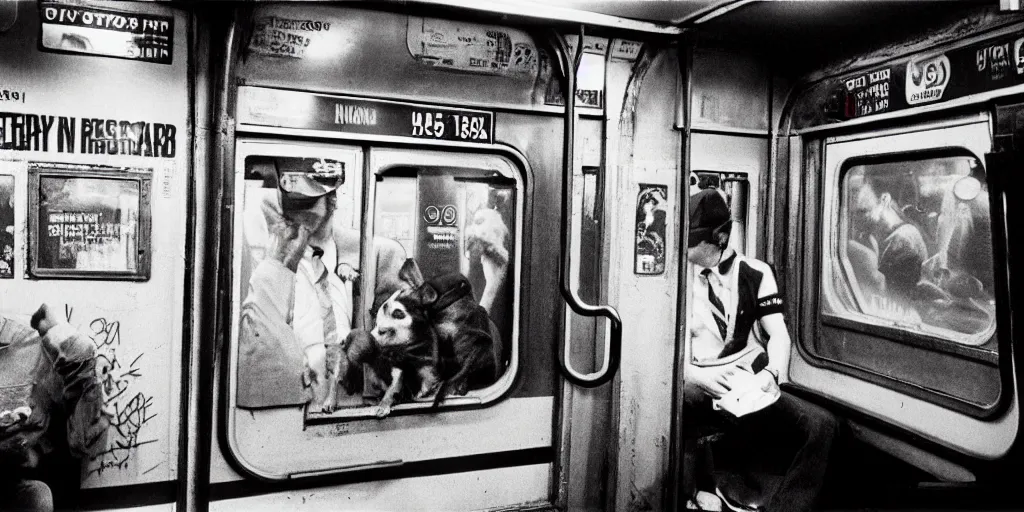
x: 383, y: 332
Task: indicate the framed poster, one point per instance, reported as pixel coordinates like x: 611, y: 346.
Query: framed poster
x: 89, y: 222
x: 649, y: 248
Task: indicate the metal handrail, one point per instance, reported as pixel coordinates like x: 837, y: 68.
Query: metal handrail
x: 569, y: 270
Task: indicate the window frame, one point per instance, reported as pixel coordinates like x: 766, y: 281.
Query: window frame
x: 971, y: 132
x: 831, y: 246
x: 379, y: 160
x: 372, y: 164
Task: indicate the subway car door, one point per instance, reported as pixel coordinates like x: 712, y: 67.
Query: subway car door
x: 904, y: 319
x: 449, y: 168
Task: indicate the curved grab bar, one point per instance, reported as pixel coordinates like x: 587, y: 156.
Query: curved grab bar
x: 613, y: 342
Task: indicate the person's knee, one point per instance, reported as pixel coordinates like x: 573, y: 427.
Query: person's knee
x: 33, y: 496
x: 821, y: 425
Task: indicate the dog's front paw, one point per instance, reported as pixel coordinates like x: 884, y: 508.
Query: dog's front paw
x: 382, y: 411
x: 426, y: 392
x: 346, y: 272
x: 330, y: 403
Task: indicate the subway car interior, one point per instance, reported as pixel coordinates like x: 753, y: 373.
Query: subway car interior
x: 510, y: 255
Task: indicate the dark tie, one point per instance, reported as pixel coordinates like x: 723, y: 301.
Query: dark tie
x: 323, y: 294
x: 719, y: 309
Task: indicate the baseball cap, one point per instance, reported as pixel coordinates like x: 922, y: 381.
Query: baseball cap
x: 309, y: 178
x: 709, y: 216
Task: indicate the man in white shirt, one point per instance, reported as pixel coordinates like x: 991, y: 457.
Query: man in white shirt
x: 300, y: 296
x: 738, y: 341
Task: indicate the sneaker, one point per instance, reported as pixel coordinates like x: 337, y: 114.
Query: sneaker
x: 732, y: 505
x: 704, y: 501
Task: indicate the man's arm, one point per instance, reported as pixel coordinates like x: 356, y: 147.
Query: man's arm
x: 770, y: 304
x: 82, y: 393
x: 270, y: 359
x: 709, y: 380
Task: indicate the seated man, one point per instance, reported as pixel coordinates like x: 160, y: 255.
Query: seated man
x: 300, y: 296
x: 51, y: 407
x: 736, y: 305
x: 898, y: 246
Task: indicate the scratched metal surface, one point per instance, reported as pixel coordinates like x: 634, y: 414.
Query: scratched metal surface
x: 135, y: 326
x: 645, y: 149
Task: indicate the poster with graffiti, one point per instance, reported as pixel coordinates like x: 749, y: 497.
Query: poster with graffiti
x: 69, y: 28
x: 88, y: 223
x: 6, y: 227
x: 651, y: 215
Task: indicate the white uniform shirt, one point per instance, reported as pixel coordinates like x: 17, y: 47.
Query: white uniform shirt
x: 706, y: 342
x: 308, y: 313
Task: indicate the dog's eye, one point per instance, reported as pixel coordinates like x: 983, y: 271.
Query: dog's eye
x: 398, y: 314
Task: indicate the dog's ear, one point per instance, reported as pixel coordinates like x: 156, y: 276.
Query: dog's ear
x: 359, y: 346
x: 410, y: 273
x: 426, y: 294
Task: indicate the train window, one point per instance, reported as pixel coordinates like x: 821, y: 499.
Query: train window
x: 89, y: 222
x: 913, y: 250
x: 404, y: 246
x: 456, y: 225
x: 320, y: 323
x: 300, y: 255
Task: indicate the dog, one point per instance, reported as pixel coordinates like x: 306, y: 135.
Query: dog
x: 469, y: 344
x: 429, y: 338
x: 407, y: 366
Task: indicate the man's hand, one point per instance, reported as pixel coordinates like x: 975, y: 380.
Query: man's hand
x: 288, y: 242
x: 44, y: 319
x: 713, y: 380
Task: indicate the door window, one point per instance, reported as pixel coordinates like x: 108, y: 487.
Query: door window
x: 459, y: 217
x: 451, y: 221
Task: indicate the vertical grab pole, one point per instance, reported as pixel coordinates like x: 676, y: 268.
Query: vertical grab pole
x: 569, y: 267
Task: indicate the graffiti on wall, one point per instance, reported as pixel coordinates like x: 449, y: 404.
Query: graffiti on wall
x: 131, y: 409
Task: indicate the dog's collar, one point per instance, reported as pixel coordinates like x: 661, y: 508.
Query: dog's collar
x: 450, y: 288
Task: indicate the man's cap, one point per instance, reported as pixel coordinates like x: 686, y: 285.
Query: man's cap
x: 309, y: 178
x: 709, y: 216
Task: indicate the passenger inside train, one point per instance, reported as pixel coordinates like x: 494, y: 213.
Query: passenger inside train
x: 738, y: 351
x: 53, y: 411
x: 918, y: 242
